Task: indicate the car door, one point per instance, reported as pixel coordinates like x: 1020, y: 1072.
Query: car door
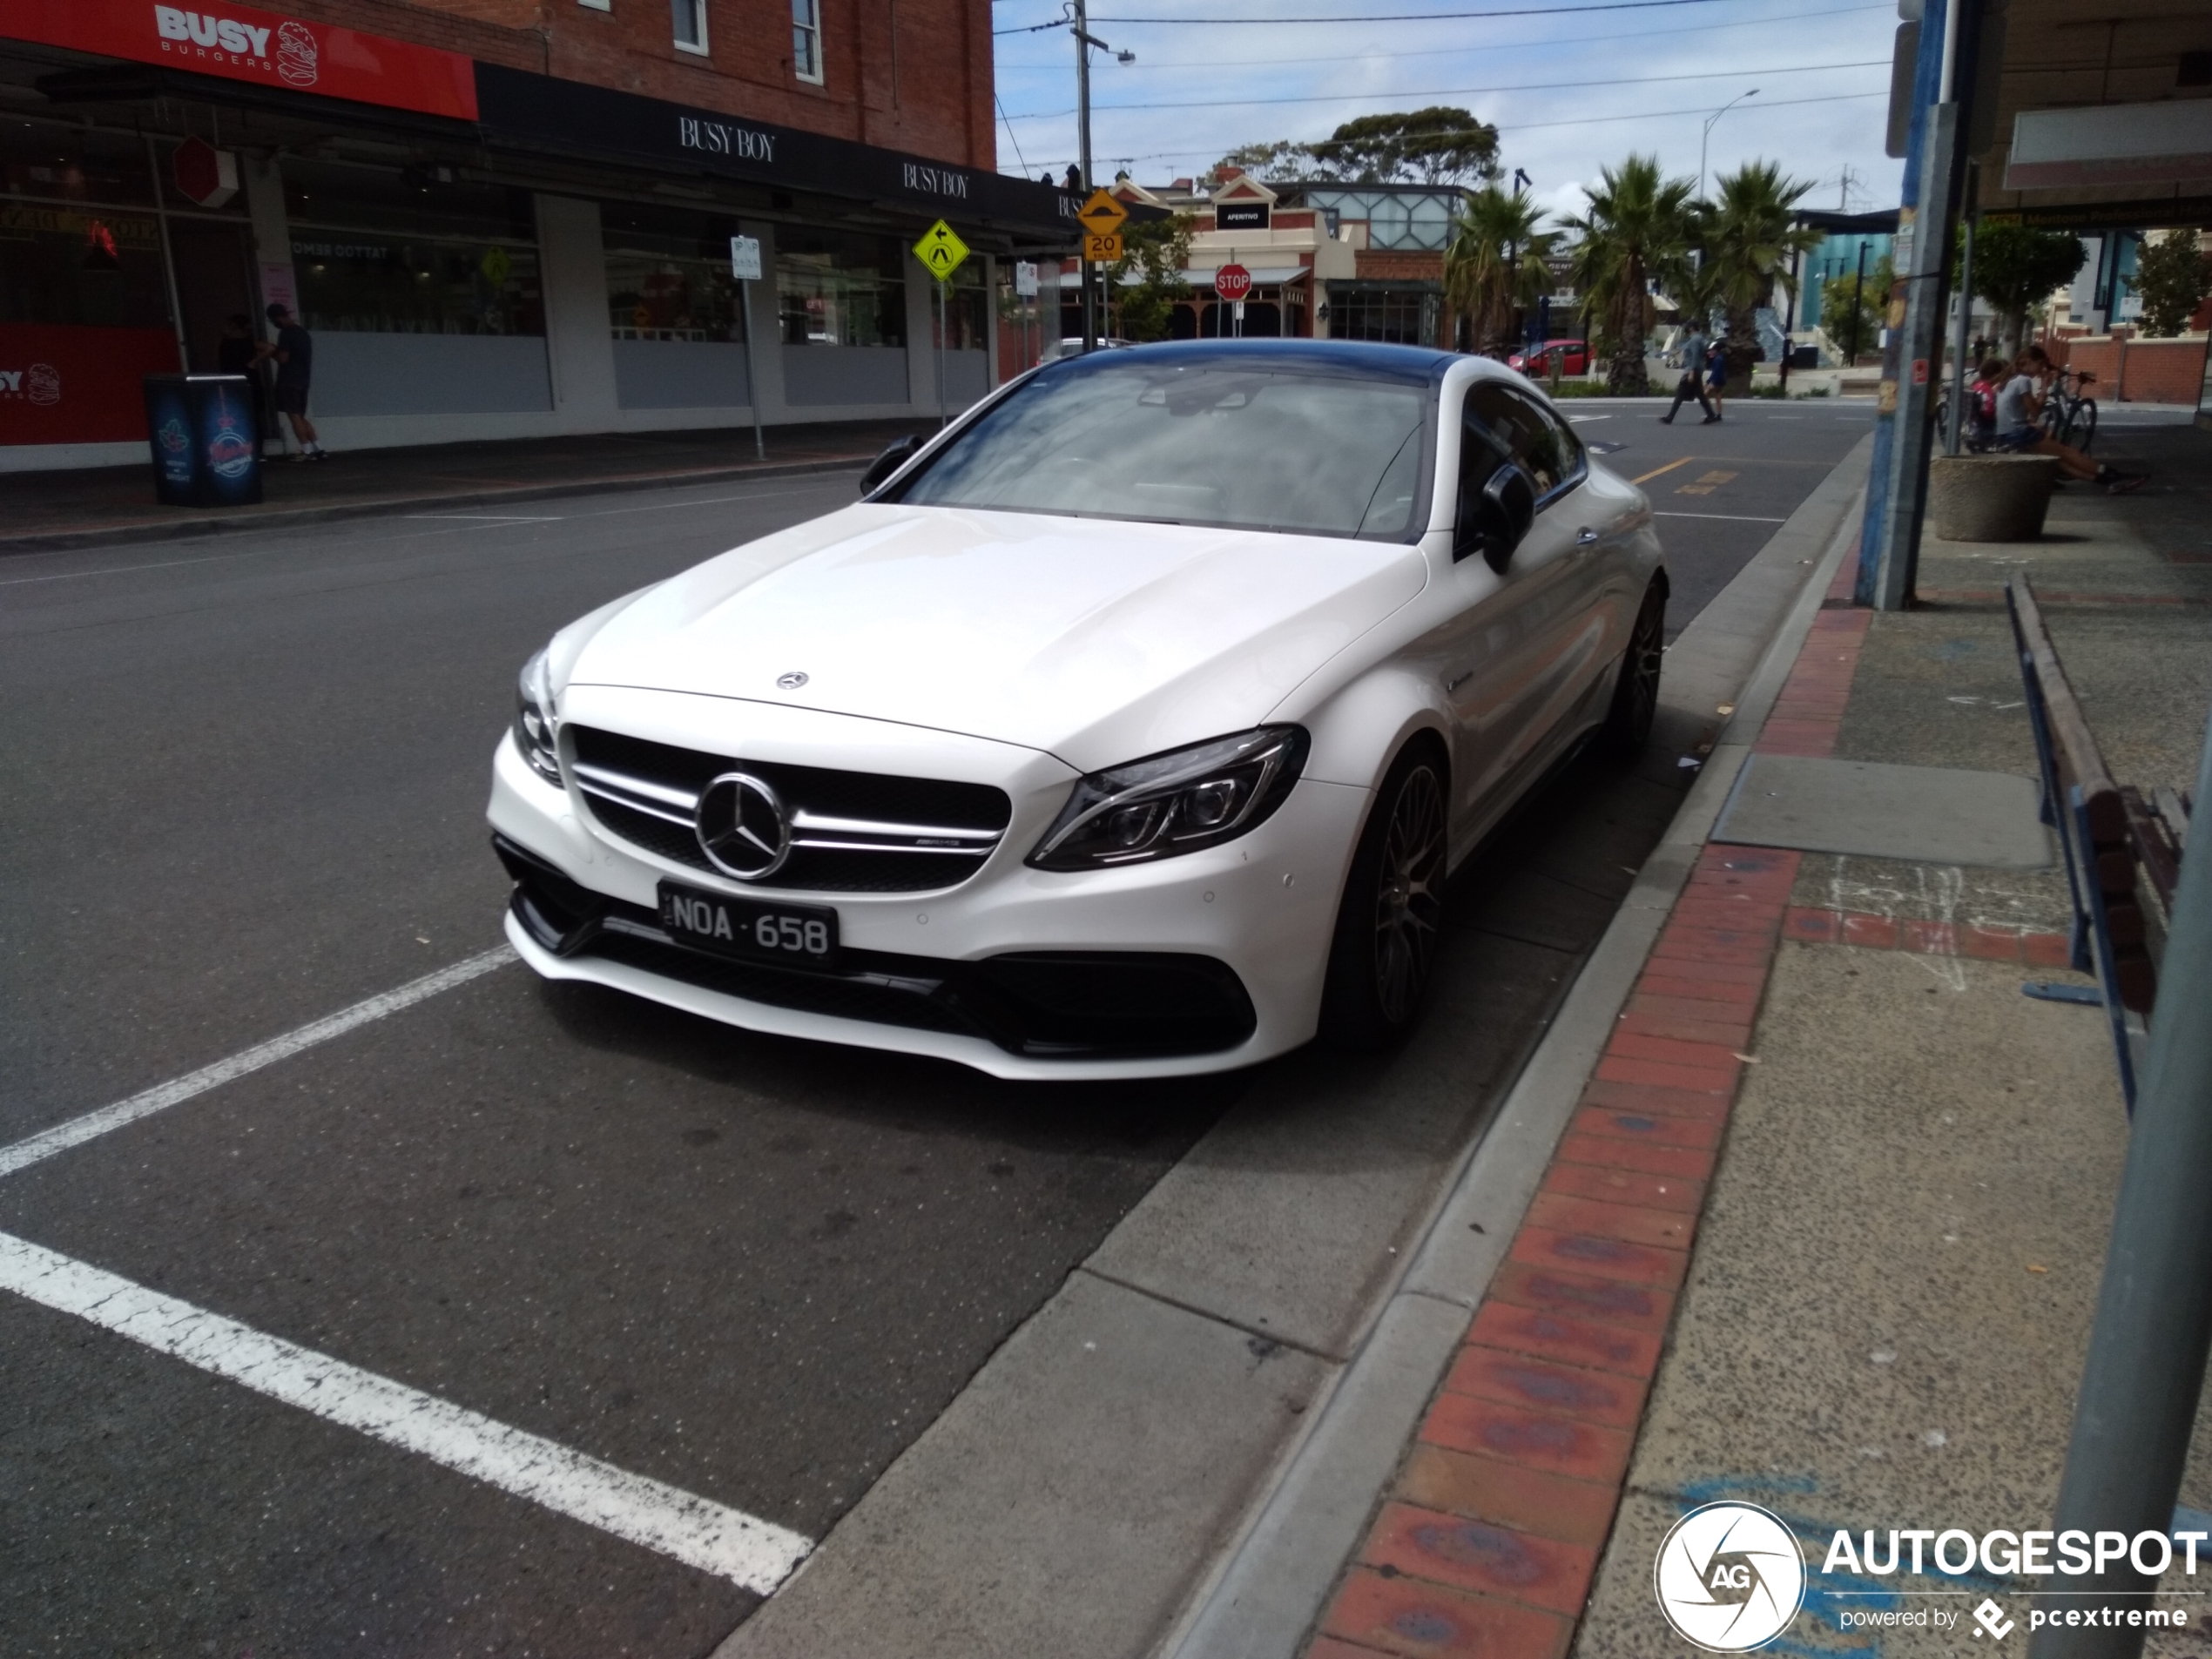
x: 1496, y: 656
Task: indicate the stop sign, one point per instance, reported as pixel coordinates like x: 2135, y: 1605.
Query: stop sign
x: 1232, y: 282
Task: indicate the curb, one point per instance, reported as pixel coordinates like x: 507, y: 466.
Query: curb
x: 1268, y: 1593
x: 291, y: 517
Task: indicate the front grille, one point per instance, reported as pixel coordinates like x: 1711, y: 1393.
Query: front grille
x: 853, y: 831
x: 1051, y: 1005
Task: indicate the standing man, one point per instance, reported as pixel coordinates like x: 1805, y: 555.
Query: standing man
x: 294, y: 355
x: 1692, y: 383
x: 238, y: 353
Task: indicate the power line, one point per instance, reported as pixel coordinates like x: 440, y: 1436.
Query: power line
x: 1504, y: 46
x: 1383, y: 16
x: 1586, y: 120
x: 1456, y: 91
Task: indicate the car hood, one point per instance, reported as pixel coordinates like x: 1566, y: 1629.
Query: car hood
x: 1096, y: 640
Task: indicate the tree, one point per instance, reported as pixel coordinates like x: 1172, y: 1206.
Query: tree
x: 2015, y: 265
x: 1840, y: 297
x: 1636, y: 229
x: 1433, y: 146
x: 1495, y: 261
x: 2172, y: 279
x: 1156, y: 253
x: 1748, y: 242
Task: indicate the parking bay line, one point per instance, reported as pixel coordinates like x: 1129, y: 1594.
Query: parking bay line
x: 1669, y: 466
x: 1733, y: 518
x: 37, y: 1148
x: 708, y: 1536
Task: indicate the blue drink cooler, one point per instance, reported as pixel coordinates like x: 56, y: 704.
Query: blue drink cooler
x: 206, y: 448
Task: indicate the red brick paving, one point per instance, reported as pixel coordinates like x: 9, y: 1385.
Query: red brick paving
x: 1489, y: 1536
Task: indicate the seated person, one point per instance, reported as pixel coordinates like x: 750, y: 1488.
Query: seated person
x: 2019, y: 404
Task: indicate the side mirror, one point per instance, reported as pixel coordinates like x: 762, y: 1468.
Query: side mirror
x: 895, y: 456
x: 1493, y: 521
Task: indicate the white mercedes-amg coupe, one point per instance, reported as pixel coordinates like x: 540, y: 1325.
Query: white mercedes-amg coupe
x: 1130, y: 726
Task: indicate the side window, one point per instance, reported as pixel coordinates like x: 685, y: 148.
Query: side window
x: 1555, y: 453
x: 807, y: 40
x: 1501, y: 425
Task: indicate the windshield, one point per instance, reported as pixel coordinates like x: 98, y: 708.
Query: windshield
x: 1250, y: 446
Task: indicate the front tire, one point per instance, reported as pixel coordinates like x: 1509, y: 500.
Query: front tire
x: 1635, y: 693
x: 1392, y: 916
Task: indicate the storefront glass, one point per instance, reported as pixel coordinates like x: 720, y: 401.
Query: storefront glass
x: 968, y: 309
x: 1400, y: 316
x: 411, y: 252
x: 835, y: 289
x: 64, y: 257
x: 668, y: 275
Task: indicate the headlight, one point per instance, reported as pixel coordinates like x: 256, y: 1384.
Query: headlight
x: 1174, y: 802
x: 534, y: 720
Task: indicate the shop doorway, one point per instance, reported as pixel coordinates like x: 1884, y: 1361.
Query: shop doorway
x: 214, y: 283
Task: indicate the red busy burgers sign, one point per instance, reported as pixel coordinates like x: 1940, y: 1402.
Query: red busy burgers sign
x: 241, y: 44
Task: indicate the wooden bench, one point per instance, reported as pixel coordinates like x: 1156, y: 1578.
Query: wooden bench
x: 2122, y: 847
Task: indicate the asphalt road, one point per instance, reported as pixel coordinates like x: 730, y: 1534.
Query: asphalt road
x: 247, y: 788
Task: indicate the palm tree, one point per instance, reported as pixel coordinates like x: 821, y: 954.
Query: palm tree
x: 1635, y: 230
x: 1495, y: 261
x: 1747, y: 241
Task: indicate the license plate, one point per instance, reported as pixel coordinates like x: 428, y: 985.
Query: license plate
x: 798, y: 935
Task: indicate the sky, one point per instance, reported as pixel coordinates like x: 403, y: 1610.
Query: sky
x: 1570, y: 85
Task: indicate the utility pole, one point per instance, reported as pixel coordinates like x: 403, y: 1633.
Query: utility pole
x: 1858, y: 306
x: 1085, y: 40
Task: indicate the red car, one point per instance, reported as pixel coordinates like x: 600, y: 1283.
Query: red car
x: 1573, y: 357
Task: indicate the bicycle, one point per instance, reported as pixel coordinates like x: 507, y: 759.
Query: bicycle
x: 2070, y: 415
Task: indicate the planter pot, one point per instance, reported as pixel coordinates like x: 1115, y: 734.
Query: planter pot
x: 1990, y: 498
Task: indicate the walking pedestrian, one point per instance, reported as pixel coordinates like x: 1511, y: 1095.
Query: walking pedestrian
x: 238, y: 353
x: 1692, y: 383
x: 293, y: 353
x: 1717, y: 378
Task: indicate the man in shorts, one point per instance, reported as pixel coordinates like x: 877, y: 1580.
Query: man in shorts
x: 294, y: 356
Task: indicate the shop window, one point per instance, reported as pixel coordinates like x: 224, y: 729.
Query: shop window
x: 668, y: 275
x: 807, y: 40
x: 968, y: 312
x: 47, y: 161
x: 1401, y: 316
x: 834, y: 288
x: 88, y: 267
x: 690, y: 26
x: 408, y: 250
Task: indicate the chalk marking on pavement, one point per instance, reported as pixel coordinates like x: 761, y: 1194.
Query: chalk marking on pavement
x: 1733, y: 518
x: 696, y: 1531
x: 1669, y: 466
x: 161, y: 1097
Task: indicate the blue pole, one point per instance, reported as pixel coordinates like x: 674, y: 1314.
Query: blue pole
x: 1927, y: 86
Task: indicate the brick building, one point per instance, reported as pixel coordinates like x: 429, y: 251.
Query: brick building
x: 500, y: 217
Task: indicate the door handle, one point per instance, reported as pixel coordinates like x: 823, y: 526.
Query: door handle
x: 1586, y: 538
x: 1457, y: 681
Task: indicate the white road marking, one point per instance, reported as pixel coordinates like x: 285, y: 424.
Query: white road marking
x: 161, y: 1097
x: 1733, y: 518
x: 1578, y: 420
x: 708, y: 1536
x: 492, y: 518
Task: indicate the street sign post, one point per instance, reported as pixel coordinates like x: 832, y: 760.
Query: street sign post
x: 1101, y: 217
x: 942, y: 253
x: 1025, y: 289
x: 1230, y: 284
x: 744, y: 265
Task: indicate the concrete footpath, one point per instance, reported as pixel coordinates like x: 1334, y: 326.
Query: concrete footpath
x: 1825, y: 1228
x: 102, y: 506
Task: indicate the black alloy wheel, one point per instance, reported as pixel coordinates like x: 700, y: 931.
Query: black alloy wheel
x: 1636, y: 694
x: 1393, y: 912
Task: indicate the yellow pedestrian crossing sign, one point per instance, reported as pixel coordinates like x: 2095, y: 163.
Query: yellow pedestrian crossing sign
x: 941, y: 251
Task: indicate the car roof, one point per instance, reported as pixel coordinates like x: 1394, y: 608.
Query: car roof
x: 1400, y: 362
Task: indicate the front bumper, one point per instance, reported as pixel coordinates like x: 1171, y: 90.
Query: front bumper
x: 1200, y: 963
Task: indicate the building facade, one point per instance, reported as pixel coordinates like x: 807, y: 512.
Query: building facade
x: 502, y: 218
